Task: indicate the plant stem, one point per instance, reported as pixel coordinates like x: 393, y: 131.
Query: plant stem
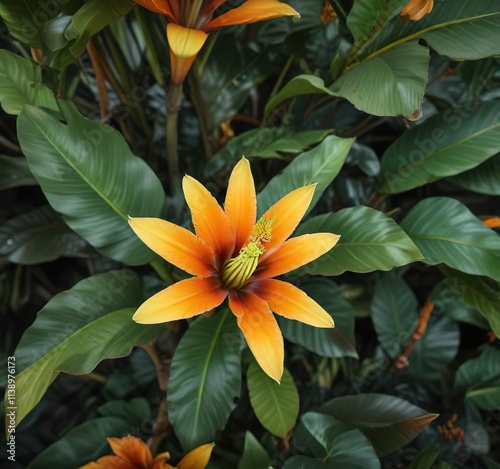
x: 99, y: 76
x: 174, y: 102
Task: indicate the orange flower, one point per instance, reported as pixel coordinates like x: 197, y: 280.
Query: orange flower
x: 133, y: 453
x: 233, y: 256
x: 190, y: 22
x: 415, y: 10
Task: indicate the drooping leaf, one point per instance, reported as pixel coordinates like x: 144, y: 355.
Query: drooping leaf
x: 394, y: 308
x: 387, y: 421
x: 336, y: 342
x: 354, y: 450
x: 15, y: 173
x: 76, y: 330
x: 205, y: 379
x: 21, y: 83
x: 483, y: 178
x: 86, y: 170
x: 254, y: 455
x: 319, y: 165
x: 448, y: 143
x: 275, y: 405
x: 447, y: 232
x: 369, y: 241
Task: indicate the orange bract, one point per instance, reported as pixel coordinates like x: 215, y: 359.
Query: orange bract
x: 234, y: 255
x: 415, y: 10
x: 189, y: 23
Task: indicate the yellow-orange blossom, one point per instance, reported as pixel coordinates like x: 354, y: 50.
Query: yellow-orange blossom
x: 190, y: 22
x: 233, y: 256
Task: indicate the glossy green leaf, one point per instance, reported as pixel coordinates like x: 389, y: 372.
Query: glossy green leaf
x: 447, y: 143
x: 319, y: 165
x: 369, y: 241
x: 76, y: 330
x: 394, y: 308
x: 37, y: 236
x: 481, y: 293
x: 254, y: 455
x: 390, y: 84
x: 298, y: 86
x: 86, y: 171
x: 15, y: 173
x: 483, y: 178
x: 336, y: 342
x: 205, y: 379
x: 21, y: 83
x: 425, y: 459
x: 305, y: 462
x: 447, y: 232
x: 387, y: 421
x: 353, y: 450
x: 275, y: 405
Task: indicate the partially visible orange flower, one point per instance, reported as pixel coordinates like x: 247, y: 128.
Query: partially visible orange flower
x: 133, y: 453
x: 415, y: 10
x: 234, y: 256
x: 328, y: 13
x: 190, y: 22
x: 492, y: 222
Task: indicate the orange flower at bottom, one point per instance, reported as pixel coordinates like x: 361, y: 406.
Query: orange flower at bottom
x: 415, y: 10
x: 234, y: 256
x: 133, y: 453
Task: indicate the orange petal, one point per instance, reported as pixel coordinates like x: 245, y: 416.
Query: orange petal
x: 198, y: 458
x: 209, y: 220
x: 160, y: 462
x: 415, y: 10
x: 261, y: 331
x: 252, y: 11
x: 133, y: 450
x: 184, y: 44
x: 286, y: 215
x: 158, y: 6
x: 176, y: 245
x: 241, y: 202
x: 110, y: 462
x: 289, y: 301
x: 181, y: 300
x: 295, y: 253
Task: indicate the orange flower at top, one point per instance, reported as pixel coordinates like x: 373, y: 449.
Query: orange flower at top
x: 234, y: 256
x: 415, y: 10
x: 190, y: 21
x: 133, y: 453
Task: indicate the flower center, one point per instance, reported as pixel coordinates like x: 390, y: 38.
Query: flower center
x: 237, y: 270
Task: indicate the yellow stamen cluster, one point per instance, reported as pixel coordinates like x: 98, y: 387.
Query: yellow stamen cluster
x: 239, y: 269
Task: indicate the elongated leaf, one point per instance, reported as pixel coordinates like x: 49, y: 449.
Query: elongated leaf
x: 483, y: 178
x: 447, y: 143
x: 319, y: 165
x: 37, y: 236
x: 425, y: 459
x: 369, y: 241
x: 21, y: 83
x: 305, y: 462
x: 205, y: 378
x: 447, y: 232
x: 15, y: 173
x: 403, y: 73
x: 275, y: 405
x: 86, y: 171
x: 388, y: 421
x: 254, y: 455
x: 394, y: 308
x: 76, y: 330
x: 337, y: 342
x: 480, y: 293
x: 354, y: 450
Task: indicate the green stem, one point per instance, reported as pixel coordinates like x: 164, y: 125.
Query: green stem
x: 160, y: 268
x: 194, y: 82
x: 174, y: 102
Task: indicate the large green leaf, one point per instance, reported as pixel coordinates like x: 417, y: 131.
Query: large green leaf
x: 369, y: 241
x: 388, y: 421
x: 319, y: 165
x: 459, y: 30
x: 337, y: 342
x: 481, y: 293
x: 480, y: 378
x: 21, y: 83
x: 76, y: 330
x: 447, y: 143
x: 275, y: 405
x: 425, y: 459
x: 205, y: 379
x: 90, y: 176
x: 483, y: 178
x: 15, y: 173
x: 390, y: 84
x: 254, y: 455
x: 447, y: 232
x: 37, y: 236
x: 394, y: 308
